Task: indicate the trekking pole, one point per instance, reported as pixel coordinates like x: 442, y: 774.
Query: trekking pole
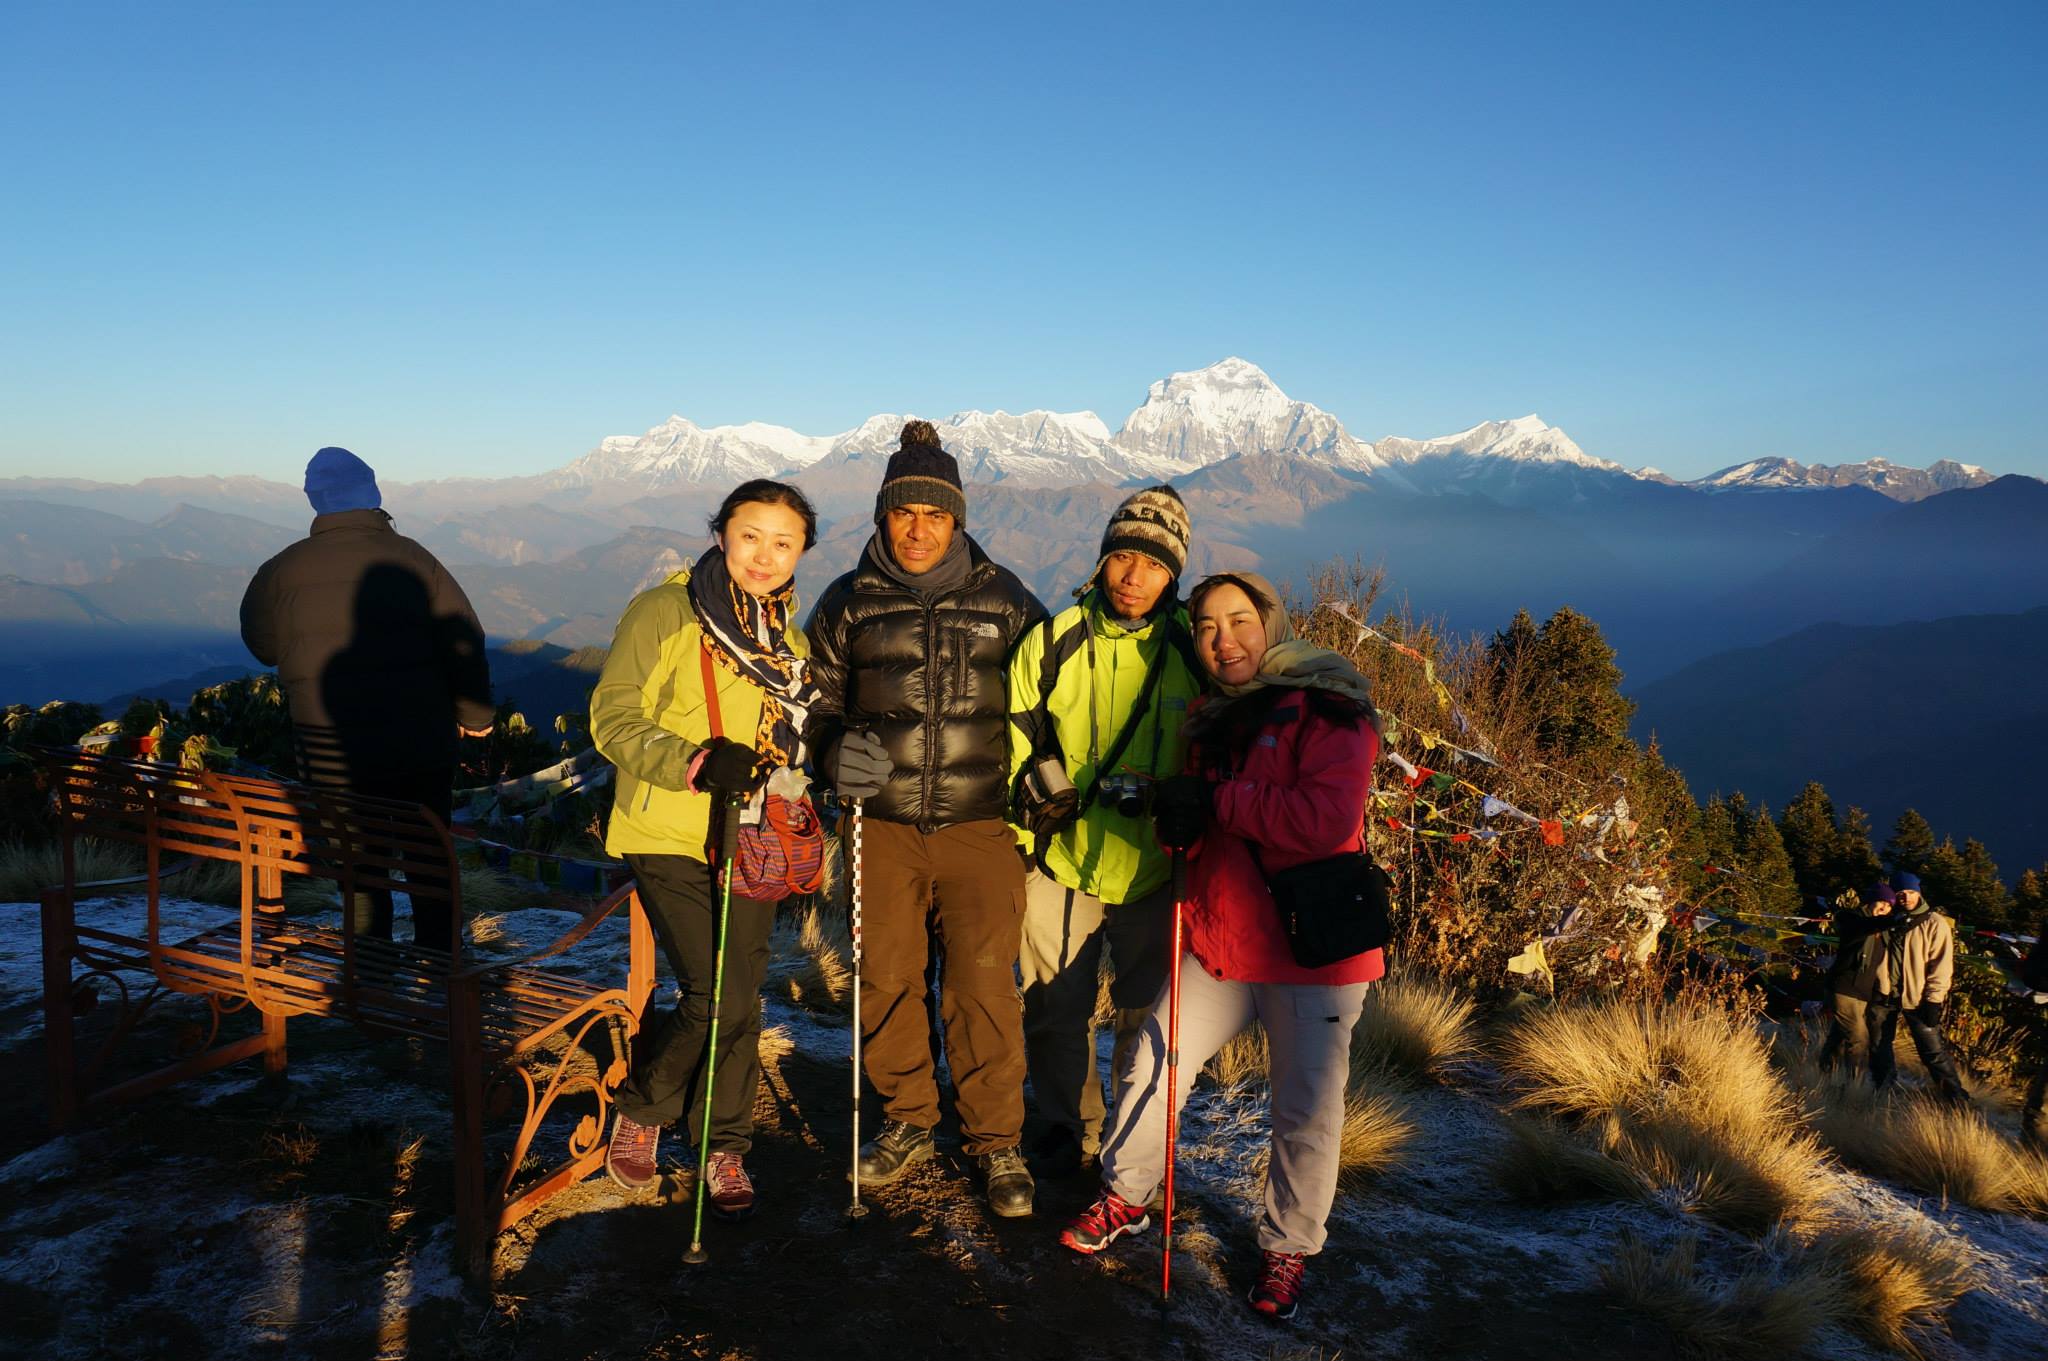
x: 856, y: 1210
x: 729, y: 839
x: 1180, y: 895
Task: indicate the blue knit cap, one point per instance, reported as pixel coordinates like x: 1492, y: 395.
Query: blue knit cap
x: 1906, y: 882
x: 337, y: 480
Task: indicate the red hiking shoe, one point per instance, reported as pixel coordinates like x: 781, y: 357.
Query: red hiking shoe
x: 629, y: 1157
x: 1102, y: 1223
x: 1278, y: 1292
x: 732, y: 1190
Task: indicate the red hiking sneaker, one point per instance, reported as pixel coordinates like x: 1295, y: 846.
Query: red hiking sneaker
x: 1102, y: 1223
x: 732, y: 1190
x: 629, y: 1157
x: 1279, y: 1289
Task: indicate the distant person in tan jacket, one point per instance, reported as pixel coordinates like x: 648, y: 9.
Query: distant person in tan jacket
x: 1914, y: 965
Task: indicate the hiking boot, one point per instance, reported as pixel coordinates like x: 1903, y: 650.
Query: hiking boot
x: 1008, y: 1182
x: 894, y: 1151
x: 1278, y: 1292
x: 1108, y: 1219
x: 732, y: 1190
x: 629, y: 1157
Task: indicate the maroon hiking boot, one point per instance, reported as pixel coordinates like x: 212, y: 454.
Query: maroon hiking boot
x: 1278, y: 1292
x: 732, y: 1190
x: 629, y: 1157
x: 1102, y: 1223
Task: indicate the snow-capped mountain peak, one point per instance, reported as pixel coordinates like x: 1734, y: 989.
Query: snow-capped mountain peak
x: 1202, y: 416
x: 1898, y: 481
x: 1526, y: 439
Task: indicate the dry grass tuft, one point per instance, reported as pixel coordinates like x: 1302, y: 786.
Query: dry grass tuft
x: 814, y: 950
x: 26, y: 868
x: 1760, y: 1313
x: 1682, y: 1097
x: 1413, y: 1030
x: 1375, y: 1138
x: 1544, y: 1161
x: 1894, y: 1285
x: 1941, y: 1150
x: 1244, y: 1058
x: 487, y: 890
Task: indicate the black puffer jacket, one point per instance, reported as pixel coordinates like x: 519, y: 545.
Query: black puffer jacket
x: 927, y: 678
x: 376, y: 647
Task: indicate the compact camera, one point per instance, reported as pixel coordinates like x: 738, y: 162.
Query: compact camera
x: 1125, y: 793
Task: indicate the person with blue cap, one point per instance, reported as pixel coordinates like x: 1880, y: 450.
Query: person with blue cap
x: 1912, y: 970
x: 381, y: 660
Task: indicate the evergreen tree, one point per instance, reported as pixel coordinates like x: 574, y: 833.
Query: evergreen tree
x: 1854, y: 864
x: 1659, y: 797
x: 1979, y: 893
x: 1809, y: 833
x: 1910, y: 846
x: 1511, y: 662
x: 1581, y: 710
x: 1769, y: 868
x: 1718, y: 840
x: 2030, y: 899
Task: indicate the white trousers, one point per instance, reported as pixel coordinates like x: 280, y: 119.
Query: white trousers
x: 1308, y: 1027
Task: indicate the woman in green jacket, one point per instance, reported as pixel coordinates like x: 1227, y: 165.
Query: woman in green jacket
x: 650, y: 718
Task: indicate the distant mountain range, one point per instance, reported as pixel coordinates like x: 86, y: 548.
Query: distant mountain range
x: 1469, y: 526
x: 1948, y: 716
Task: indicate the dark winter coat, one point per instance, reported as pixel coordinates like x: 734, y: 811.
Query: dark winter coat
x: 376, y: 647
x: 925, y: 675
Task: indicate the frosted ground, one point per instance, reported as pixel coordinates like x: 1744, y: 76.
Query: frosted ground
x: 234, y: 1218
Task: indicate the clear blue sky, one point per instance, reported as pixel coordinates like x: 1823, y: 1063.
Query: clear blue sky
x: 473, y: 239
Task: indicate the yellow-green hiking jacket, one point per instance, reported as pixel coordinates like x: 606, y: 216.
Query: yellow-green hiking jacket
x: 1114, y: 857
x: 648, y: 718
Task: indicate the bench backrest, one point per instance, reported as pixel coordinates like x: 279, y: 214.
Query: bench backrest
x: 267, y: 827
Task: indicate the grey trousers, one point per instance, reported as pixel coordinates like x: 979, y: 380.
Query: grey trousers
x: 1065, y: 933
x: 1308, y: 1027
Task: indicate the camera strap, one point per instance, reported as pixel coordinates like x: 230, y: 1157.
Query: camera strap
x: 1137, y: 714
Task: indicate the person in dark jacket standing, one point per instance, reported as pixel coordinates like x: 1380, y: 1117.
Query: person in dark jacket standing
x: 908, y: 651
x: 381, y: 660
x: 2032, y: 984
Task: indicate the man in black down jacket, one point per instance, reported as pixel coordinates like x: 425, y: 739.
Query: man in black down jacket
x: 909, y: 650
x: 380, y: 658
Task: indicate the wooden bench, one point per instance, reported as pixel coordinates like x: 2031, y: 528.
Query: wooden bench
x: 511, y: 1026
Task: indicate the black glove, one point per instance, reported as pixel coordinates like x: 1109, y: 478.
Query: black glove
x: 730, y: 768
x: 1930, y: 1013
x: 1180, y: 810
x: 860, y: 766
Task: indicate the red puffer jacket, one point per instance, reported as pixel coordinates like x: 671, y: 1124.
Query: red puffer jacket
x: 1301, y: 795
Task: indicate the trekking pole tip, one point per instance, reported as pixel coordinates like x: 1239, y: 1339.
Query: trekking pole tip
x: 695, y: 1255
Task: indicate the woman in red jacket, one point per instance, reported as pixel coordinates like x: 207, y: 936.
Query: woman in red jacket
x: 1282, y: 759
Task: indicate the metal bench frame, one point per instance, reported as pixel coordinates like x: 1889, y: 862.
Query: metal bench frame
x: 497, y: 1018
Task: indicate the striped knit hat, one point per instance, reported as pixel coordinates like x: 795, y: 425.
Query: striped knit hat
x: 1153, y: 522
x: 921, y: 473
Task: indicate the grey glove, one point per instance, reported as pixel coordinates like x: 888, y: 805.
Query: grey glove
x: 860, y: 766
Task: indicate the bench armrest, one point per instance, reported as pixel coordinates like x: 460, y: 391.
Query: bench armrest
x: 592, y: 916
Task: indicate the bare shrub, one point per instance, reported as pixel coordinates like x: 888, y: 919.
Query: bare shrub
x: 1413, y: 1029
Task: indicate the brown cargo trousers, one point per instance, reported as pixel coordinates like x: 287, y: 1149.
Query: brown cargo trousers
x: 966, y: 884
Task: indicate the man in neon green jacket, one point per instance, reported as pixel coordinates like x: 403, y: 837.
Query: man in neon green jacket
x: 1104, y: 685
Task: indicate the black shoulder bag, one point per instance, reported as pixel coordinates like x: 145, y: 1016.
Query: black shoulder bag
x: 1331, y: 909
